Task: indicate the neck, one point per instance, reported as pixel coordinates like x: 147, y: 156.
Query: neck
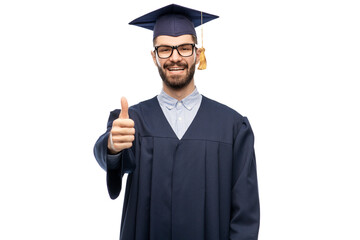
x: 179, y: 94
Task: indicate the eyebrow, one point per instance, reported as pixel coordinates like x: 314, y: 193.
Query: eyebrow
x: 174, y: 45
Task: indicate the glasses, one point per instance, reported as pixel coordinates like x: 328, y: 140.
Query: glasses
x: 184, y: 50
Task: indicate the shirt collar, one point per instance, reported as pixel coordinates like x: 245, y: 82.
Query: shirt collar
x: 189, y: 102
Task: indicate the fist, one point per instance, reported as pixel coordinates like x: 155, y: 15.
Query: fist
x: 122, y: 133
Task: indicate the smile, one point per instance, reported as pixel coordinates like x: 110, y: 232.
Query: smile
x: 175, y: 69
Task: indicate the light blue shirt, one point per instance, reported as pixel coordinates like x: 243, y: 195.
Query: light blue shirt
x: 180, y: 114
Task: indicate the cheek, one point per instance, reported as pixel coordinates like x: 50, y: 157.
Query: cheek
x: 158, y: 62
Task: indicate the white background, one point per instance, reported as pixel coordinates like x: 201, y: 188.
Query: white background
x: 292, y: 67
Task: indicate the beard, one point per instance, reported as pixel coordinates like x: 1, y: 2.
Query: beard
x: 177, y: 82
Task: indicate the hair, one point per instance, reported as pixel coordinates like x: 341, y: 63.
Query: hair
x: 194, y: 38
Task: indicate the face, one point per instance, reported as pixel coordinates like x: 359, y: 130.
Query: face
x: 176, y: 71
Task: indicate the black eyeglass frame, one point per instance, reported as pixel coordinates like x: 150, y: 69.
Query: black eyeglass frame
x: 175, y: 47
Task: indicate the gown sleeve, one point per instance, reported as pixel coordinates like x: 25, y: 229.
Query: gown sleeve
x: 245, y: 207
x: 114, y: 165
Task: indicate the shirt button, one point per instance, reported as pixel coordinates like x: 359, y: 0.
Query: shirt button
x: 180, y: 118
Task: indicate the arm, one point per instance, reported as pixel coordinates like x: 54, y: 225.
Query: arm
x: 245, y: 207
x: 115, y: 155
x: 112, y: 164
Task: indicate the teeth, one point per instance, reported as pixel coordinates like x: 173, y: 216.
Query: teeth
x: 175, y: 69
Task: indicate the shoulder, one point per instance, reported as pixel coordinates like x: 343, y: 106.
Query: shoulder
x: 221, y: 110
x: 149, y: 103
x: 136, y: 109
x: 225, y: 115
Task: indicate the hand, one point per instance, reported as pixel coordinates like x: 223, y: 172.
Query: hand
x: 122, y: 133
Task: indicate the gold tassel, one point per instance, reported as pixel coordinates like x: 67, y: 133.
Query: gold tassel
x: 202, y: 64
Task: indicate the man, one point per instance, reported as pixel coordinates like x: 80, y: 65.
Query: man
x: 190, y: 160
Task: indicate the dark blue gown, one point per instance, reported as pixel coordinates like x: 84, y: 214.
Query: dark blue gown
x: 202, y: 187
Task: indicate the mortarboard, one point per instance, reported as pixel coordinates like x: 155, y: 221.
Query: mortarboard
x: 174, y: 20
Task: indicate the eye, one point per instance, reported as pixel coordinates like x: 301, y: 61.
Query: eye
x: 164, y: 49
x: 185, y: 48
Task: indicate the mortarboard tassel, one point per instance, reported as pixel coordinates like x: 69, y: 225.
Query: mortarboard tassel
x: 202, y: 64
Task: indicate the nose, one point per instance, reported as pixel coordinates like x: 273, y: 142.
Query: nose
x: 175, y: 57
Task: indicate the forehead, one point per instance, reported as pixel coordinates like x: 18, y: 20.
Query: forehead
x: 174, y: 41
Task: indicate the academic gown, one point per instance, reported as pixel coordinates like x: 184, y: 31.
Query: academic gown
x: 201, y: 187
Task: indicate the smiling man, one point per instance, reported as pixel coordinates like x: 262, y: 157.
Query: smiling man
x: 190, y: 160
x: 176, y: 58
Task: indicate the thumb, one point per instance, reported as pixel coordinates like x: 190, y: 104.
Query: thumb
x: 124, y: 114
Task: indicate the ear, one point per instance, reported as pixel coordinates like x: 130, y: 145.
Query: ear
x: 153, y: 54
x: 197, y: 55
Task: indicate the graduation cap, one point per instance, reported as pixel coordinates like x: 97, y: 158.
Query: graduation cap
x: 174, y: 20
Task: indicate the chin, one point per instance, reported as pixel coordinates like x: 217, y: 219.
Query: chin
x: 177, y: 82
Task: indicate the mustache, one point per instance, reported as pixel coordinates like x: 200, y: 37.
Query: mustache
x: 184, y: 65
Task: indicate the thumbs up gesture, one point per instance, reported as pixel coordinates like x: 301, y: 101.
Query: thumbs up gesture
x: 122, y: 133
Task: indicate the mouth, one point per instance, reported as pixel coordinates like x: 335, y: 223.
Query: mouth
x: 175, y: 69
